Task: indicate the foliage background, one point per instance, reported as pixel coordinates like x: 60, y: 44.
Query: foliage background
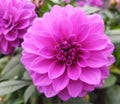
x: 16, y: 86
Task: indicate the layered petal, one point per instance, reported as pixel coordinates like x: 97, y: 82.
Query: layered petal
x: 61, y: 82
x: 90, y: 76
x: 75, y: 88
x: 56, y: 69
x: 74, y: 72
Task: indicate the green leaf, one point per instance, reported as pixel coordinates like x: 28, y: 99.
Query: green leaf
x: 28, y: 93
x: 115, y: 70
x: 14, y: 72
x: 26, y: 76
x: 7, y: 87
x: 15, y: 60
x: 56, y: 1
x: 114, y: 35
x: 90, y: 10
x: 110, y: 81
x: 13, y: 69
x: 113, y: 95
x: 76, y: 101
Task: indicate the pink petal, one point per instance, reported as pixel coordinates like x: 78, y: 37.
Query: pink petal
x: 61, y: 82
x: 109, y: 48
x: 30, y: 47
x: 56, y: 69
x: 37, y: 25
x: 96, y: 28
x: 63, y: 26
x: 55, y: 9
x: 22, y: 24
x: 74, y: 72
x: 104, y: 72
x: 47, y: 52
x: 84, y: 53
x: 82, y: 94
x: 4, y: 45
x: 90, y: 75
x: 82, y: 32
x: 96, y: 43
x: 88, y: 87
x: 15, y: 43
x: 40, y: 65
x: 49, y: 91
x: 111, y: 60
x: 74, y: 88
x: 77, y: 19
x: 42, y: 41
x: 69, y: 10
x: 12, y: 35
x: 82, y: 62
x: 95, y: 18
x: 48, y: 21
x: 27, y: 59
x: 64, y: 95
x: 41, y: 79
x: 96, y: 60
x: 25, y: 15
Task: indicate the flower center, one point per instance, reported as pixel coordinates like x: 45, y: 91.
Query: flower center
x: 68, y: 52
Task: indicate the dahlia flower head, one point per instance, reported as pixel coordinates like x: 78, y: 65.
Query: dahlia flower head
x: 95, y: 2
x: 16, y: 17
x: 67, y: 53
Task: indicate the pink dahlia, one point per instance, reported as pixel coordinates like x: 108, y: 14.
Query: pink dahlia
x: 15, y: 18
x: 95, y: 2
x: 67, y: 52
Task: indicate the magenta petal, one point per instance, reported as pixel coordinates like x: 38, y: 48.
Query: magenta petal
x: 88, y: 87
x: 64, y: 95
x: 15, y: 43
x: 47, y: 52
x: 111, y: 60
x: 56, y: 69
x: 96, y: 60
x: 4, y: 45
x: 56, y: 8
x: 96, y: 27
x: 42, y: 41
x: 30, y: 47
x: 25, y: 15
x: 96, y: 43
x: 60, y: 82
x: 74, y: 72
x: 82, y: 32
x: 90, y: 76
x: 63, y: 26
x: 12, y: 35
x: 83, y: 93
x: 78, y: 19
x: 40, y: 65
x: 104, y: 72
x: 82, y: 62
x: 41, y: 79
x: 84, y: 53
x: 49, y: 91
x: 22, y: 24
x: 74, y: 88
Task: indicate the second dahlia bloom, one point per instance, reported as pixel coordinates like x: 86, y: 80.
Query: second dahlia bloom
x: 16, y: 17
x: 67, y: 52
x: 95, y: 2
